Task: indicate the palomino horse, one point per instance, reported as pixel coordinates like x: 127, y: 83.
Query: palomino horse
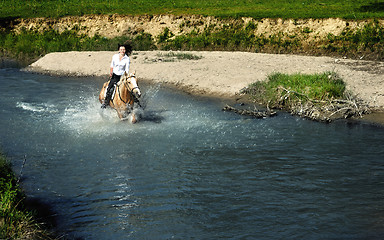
x: 127, y: 92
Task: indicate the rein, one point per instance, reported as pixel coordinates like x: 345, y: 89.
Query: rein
x: 130, y: 92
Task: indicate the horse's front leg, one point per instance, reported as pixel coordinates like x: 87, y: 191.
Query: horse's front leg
x: 120, y: 114
x: 127, y: 113
x: 131, y: 113
x: 133, y: 118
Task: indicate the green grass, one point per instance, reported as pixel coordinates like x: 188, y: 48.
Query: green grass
x: 173, y: 56
x: 367, y: 41
x: 232, y: 37
x: 350, y: 9
x: 278, y: 89
x: 31, y: 44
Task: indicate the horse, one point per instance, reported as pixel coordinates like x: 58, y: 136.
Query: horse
x: 126, y: 93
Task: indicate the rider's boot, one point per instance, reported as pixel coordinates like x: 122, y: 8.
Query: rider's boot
x: 105, y: 103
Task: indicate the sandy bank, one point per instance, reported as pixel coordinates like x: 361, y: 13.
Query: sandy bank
x: 221, y: 73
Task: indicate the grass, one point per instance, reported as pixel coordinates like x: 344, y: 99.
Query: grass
x: 232, y: 37
x: 173, y: 56
x: 367, y: 41
x: 15, y: 221
x: 31, y: 44
x: 298, y: 9
x: 273, y: 92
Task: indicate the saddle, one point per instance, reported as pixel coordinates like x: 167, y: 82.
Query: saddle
x: 113, y: 89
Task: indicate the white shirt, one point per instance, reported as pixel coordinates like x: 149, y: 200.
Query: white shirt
x: 119, y: 67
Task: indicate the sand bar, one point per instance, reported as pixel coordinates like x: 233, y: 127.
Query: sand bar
x: 220, y: 73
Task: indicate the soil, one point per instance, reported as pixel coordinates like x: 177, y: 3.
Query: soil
x: 117, y: 25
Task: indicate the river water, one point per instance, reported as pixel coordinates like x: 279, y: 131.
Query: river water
x: 188, y: 170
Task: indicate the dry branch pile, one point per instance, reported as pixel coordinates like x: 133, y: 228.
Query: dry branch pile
x: 323, y: 110
x: 253, y: 113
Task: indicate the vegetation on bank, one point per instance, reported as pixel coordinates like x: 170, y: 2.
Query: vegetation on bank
x: 366, y: 42
x: 174, y: 56
x: 320, y: 97
x: 356, y: 9
x: 15, y: 221
x: 29, y: 45
x: 322, y: 86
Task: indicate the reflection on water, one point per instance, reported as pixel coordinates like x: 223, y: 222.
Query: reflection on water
x: 188, y: 170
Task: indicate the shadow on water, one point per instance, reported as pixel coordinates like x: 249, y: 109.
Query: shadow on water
x: 153, y: 116
x: 42, y: 211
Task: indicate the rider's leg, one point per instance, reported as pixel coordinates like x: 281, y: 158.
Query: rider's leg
x: 108, y: 96
x: 109, y: 90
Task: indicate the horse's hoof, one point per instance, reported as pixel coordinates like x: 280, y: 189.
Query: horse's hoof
x: 133, y: 119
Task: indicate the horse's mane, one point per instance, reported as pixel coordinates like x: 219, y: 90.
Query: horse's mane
x: 125, y: 76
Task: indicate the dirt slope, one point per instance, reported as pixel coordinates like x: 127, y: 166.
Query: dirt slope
x: 117, y: 25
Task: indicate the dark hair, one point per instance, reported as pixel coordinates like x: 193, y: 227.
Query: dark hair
x: 128, y: 47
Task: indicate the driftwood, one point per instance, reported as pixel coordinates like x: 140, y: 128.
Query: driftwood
x: 254, y: 113
x: 323, y: 110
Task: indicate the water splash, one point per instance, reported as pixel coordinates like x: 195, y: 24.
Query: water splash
x: 87, y: 116
x: 37, y: 107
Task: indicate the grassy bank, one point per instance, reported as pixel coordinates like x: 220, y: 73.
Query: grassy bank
x: 357, y: 9
x: 15, y: 221
x: 320, y: 97
x: 29, y: 45
x: 367, y: 41
x: 236, y: 35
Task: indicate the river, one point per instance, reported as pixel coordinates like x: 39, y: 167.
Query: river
x: 188, y: 170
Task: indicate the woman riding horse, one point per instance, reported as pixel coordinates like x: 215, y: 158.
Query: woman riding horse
x: 119, y: 64
x: 128, y: 93
x: 126, y: 96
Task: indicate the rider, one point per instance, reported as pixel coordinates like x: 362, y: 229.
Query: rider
x: 119, y: 65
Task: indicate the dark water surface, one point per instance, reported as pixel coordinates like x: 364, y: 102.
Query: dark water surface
x: 188, y: 170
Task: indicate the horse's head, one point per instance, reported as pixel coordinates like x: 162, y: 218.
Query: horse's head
x: 130, y: 81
